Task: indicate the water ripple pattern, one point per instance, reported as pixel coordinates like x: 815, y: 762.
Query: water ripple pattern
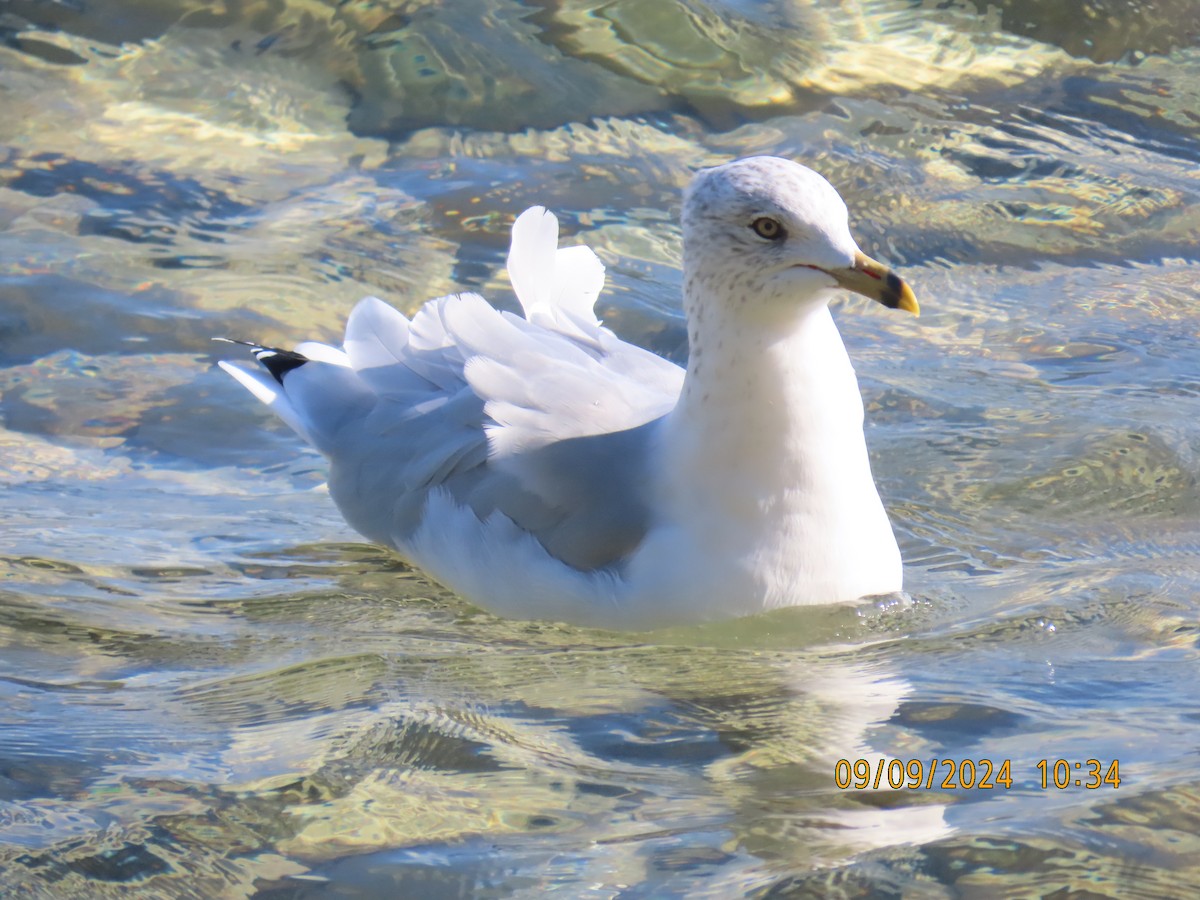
x: 210, y: 688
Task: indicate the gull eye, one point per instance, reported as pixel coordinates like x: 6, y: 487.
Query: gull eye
x: 768, y: 228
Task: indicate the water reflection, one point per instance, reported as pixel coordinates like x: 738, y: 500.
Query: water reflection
x: 421, y: 746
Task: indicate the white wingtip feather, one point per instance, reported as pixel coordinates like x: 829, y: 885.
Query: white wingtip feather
x: 557, y: 288
x: 531, y: 258
x: 253, y: 382
x: 578, y: 280
x: 266, y: 390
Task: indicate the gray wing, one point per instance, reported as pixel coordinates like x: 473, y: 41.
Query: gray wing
x: 549, y: 419
x: 584, y: 498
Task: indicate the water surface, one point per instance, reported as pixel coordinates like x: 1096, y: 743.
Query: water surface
x: 212, y: 688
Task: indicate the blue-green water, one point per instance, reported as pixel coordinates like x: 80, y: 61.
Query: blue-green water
x: 211, y: 689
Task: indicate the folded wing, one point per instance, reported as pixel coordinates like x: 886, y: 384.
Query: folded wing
x: 547, y: 420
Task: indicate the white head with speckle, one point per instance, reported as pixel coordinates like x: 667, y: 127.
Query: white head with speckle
x: 764, y: 233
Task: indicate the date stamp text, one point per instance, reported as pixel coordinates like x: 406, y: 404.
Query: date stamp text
x: 971, y: 774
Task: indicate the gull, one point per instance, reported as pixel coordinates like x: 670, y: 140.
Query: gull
x: 542, y: 468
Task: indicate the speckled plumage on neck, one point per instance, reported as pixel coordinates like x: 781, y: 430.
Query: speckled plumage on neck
x: 765, y: 474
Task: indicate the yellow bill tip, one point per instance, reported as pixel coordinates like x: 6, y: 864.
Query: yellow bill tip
x: 906, y: 300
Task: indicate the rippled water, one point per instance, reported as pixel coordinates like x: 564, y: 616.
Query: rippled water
x: 211, y: 689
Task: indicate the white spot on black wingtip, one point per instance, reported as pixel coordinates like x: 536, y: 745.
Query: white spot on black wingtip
x: 276, y: 361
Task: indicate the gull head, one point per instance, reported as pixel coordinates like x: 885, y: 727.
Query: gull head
x: 772, y: 236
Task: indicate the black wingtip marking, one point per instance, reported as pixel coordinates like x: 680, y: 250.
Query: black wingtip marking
x: 276, y: 361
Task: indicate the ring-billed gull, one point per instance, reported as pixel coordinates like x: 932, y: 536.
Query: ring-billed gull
x: 543, y: 468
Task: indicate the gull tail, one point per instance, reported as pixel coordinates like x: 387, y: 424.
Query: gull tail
x: 312, y: 388
x: 277, y: 362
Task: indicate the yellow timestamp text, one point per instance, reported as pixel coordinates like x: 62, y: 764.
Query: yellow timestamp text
x: 1061, y: 774
x: 969, y: 774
